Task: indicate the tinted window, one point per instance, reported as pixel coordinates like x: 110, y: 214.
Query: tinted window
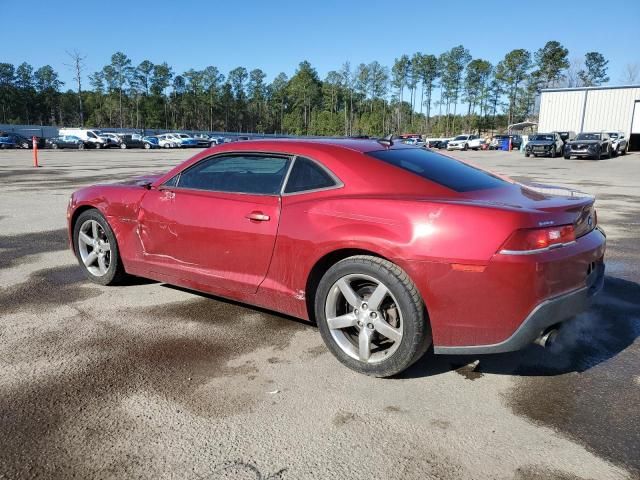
x: 238, y: 173
x: 307, y: 175
x: 445, y: 171
x: 548, y: 138
x: 588, y: 136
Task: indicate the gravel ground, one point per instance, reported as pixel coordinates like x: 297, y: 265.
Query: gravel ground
x: 152, y: 381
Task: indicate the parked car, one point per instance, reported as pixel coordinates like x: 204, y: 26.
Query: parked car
x: 443, y: 143
x: 287, y: 225
x: 7, y: 141
x: 216, y: 140
x: 22, y: 141
x: 182, y: 140
x: 619, y: 143
x: 150, y: 142
x: 165, y: 141
x: 131, y: 141
x: 113, y: 139
x: 544, y: 145
x: 589, y: 145
x: 413, y: 141
x: 464, y: 142
x: 567, y: 136
x: 496, y: 142
x: 88, y: 135
x: 202, y: 140
x: 242, y: 138
x: 69, y: 141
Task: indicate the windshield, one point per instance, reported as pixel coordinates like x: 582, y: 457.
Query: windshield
x: 182, y: 135
x: 548, y: 138
x: 461, y: 137
x: 588, y: 136
x: 613, y: 135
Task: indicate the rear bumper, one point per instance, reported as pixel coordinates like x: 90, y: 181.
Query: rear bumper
x: 550, y: 312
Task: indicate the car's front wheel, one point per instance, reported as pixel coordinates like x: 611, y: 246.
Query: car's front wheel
x: 96, y: 248
x: 371, y: 316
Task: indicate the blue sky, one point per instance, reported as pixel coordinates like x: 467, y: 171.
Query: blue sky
x: 276, y: 35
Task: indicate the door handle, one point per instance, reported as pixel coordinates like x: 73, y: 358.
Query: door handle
x: 258, y: 217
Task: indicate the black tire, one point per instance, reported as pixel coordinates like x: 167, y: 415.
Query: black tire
x: 527, y: 155
x: 625, y: 150
x: 81, y: 146
x: 25, y: 145
x: 147, y: 146
x: 115, y: 273
x: 553, y: 152
x: 416, y: 334
x: 466, y: 147
x: 567, y: 157
x: 609, y: 153
x: 54, y: 146
x: 123, y: 146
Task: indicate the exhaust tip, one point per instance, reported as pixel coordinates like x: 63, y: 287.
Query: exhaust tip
x: 547, y: 338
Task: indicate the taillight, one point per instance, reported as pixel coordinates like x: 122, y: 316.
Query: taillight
x: 534, y: 240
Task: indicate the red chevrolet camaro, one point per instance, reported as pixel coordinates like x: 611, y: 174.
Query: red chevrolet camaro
x: 388, y: 248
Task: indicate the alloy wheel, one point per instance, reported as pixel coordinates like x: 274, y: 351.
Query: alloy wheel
x: 94, y: 248
x: 364, y: 318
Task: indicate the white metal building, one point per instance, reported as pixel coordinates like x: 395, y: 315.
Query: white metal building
x: 592, y: 109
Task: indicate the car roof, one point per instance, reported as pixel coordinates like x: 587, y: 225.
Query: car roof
x: 357, y: 145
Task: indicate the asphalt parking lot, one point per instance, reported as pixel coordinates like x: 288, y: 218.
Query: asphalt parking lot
x: 151, y: 381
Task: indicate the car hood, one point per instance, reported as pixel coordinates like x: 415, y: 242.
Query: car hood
x: 584, y: 142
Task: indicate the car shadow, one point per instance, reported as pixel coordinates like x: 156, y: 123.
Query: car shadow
x: 239, y: 305
x: 608, y: 328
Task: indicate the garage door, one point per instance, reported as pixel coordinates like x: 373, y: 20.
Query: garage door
x: 634, y: 140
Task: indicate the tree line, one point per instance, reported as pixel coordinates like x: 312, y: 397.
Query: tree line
x: 426, y: 93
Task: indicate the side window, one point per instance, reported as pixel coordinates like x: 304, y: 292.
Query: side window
x: 246, y: 173
x: 173, y: 182
x: 307, y: 175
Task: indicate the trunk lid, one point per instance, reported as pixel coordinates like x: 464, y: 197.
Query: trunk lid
x: 546, y: 205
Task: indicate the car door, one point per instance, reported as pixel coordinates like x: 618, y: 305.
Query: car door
x: 216, y: 222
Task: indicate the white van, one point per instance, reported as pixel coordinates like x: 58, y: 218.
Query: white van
x: 88, y: 134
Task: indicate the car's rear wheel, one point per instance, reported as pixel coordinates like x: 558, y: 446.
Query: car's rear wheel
x: 123, y: 146
x: 625, y: 150
x: 553, y: 151
x: 147, y: 146
x: 96, y: 249
x: 371, y: 316
x: 54, y: 146
x: 81, y: 146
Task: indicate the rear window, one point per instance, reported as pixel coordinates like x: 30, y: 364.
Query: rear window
x: 440, y: 169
